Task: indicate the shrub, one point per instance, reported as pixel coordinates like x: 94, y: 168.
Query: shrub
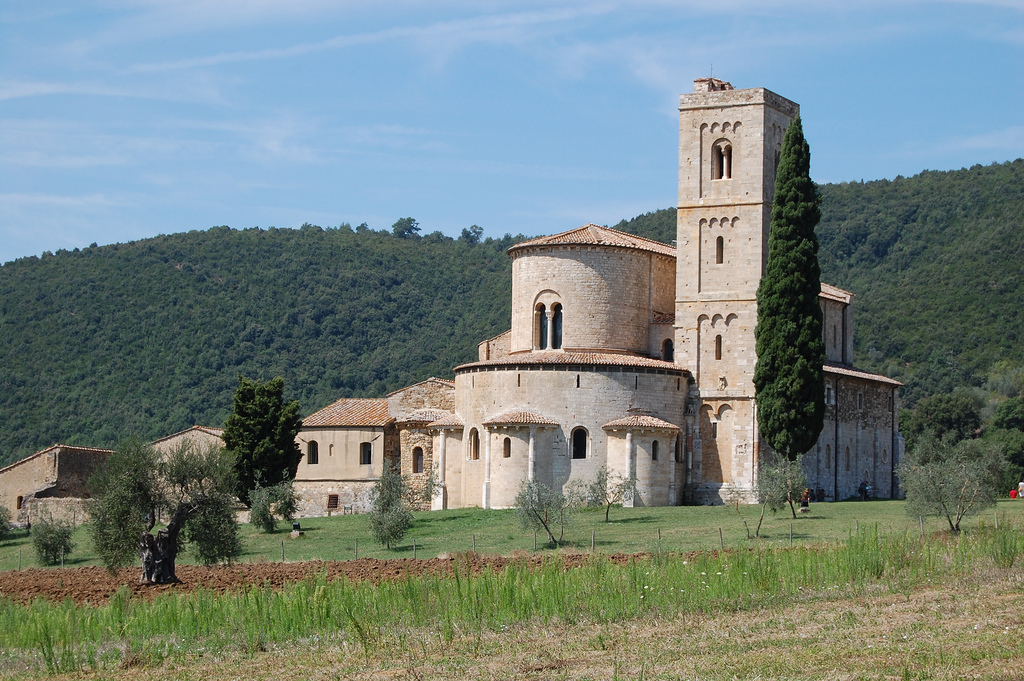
x: 390, y: 515
x: 5, y: 524
x: 267, y: 504
x: 51, y: 539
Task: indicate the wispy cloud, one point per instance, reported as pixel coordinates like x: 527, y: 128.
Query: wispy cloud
x: 17, y: 200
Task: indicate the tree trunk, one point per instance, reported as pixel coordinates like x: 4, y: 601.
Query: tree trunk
x: 757, y: 532
x: 158, y: 553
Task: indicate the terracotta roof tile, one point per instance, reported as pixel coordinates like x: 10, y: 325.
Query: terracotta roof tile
x: 595, y: 235
x: 580, y: 358
x: 663, y: 318
x: 842, y: 370
x: 640, y: 421
x: 450, y: 421
x: 519, y: 418
x: 351, y: 411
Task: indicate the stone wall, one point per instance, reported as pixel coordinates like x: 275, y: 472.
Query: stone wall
x: 314, y: 497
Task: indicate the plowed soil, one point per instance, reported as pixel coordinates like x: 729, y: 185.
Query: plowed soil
x: 97, y: 585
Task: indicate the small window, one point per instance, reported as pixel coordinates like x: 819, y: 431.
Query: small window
x: 556, y: 326
x: 828, y: 394
x: 718, y: 347
x: 679, y: 450
x: 474, y: 444
x: 719, y: 250
x: 312, y: 453
x: 506, y: 448
x: 668, y: 353
x: 721, y: 161
x: 365, y: 453
x: 19, y: 502
x: 860, y: 400
x: 417, y: 460
x: 579, y: 443
x: 714, y: 430
x: 332, y: 502
x: 828, y: 456
x: 846, y: 456
x: 577, y: 380
x: 542, y: 327
x: 885, y: 455
x: 654, y: 451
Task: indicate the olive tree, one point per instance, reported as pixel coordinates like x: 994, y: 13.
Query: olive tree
x: 539, y: 507
x: 390, y: 513
x: 779, y: 482
x: 610, y: 488
x: 192, y: 487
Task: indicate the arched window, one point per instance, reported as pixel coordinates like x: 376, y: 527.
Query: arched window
x: 312, y: 453
x: 579, y: 443
x: 474, y: 444
x: 417, y: 460
x: 542, y: 327
x: 654, y: 451
x: 718, y: 347
x: 721, y: 161
x: 679, y: 450
x: 885, y: 455
x: 668, y: 352
x: 719, y: 250
x: 556, y: 326
x: 506, y: 448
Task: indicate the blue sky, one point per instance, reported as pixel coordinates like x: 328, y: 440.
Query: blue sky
x: 123, y: 120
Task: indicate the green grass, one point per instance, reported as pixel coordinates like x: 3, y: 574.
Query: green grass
x: 631, y: 530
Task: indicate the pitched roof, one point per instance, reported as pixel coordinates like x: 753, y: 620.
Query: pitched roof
x: 519, y: 418
x: 432, y: 379
x: 595, y: 235
x: 575, y: 358
x: 209, y: 430
x: 450, y: 421
x: 835, y: 293
x: 640, y: 421
x: 843, y: 370
x: 30, y: 457
x: 351, y: 411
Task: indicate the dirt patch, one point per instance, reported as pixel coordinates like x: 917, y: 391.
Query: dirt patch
x: 97, y: 585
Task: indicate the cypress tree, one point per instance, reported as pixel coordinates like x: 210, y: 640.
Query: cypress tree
x: 789, y: 381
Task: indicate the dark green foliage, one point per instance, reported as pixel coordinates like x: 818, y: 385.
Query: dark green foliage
x: 261, y: 433
x: 608, y: 489
x: 6, y: 531
x: 390, y: 515
x: 951, y: 417
x: 779, y: 482
x: 1010, y: 414
x: 950, y: 479
x: 336, y: 312
x: 405, y: 228
x: 267, y: 504
x: 190, y: 487
x: 51, y: 539
x: 790, y: 349
x: 539, y: 507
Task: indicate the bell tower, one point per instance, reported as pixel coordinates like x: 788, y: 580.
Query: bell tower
x: 729, y: 146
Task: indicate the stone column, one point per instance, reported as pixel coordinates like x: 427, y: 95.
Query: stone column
x: 630, y: 466
x: 672, y: 471
x: 533, y: 454
x: 437, y: 503
x: 486, y: 502
x: 550, y: 321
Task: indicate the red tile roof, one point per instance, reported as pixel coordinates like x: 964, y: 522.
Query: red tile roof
x: 450, y: 421
x: 351, y: 411
x: 842, y: 370
x: 663, y: 318
x: 519, y: 418
x: 640, y: 421
x: 595, y: 235
x: 579, y: 358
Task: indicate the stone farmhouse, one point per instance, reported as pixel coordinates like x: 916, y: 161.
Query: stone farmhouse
x: 50, y: 483
x: 625, y: 353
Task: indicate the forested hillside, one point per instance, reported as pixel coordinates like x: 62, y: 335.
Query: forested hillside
x: 149, y: 337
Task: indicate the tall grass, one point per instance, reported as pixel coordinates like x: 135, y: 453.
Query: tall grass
x: 62, y: 637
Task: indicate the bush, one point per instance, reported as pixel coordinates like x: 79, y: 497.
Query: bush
x: 6, y: 532
x: 390, y: 515
x: 51, y: 540
x: 267, y: 504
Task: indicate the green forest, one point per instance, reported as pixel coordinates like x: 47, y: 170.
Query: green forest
x: 149, y: 337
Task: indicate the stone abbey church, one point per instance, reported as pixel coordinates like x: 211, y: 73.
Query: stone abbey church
x: 626, y: 353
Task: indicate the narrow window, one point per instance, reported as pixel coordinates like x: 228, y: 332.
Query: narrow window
x: 721, y: 161
x: 654, y: 451
x: 556, y: 326
x: 312, y: 453
x: 636, y: 382
x: 506, y: 448
x: 332, y: 502
x: 860, y: 400
x: 577, y: 380
x: 417, y: 460
x: 846, y: 456
x: 828, y: 394
x: 885, y: 455
x: 474, y: 444
x: 678, y: 383
x: 519, y: 380
x: 714, y: 430
x: 668, y: 352
x: 365, y: 453
x: 579, y: 443
x: 542, y: 327
x: 679, y: 450
x: 828, y: 456
x: 19, y: 502
x: 718, y: 347
x: 719, y: 250
x: 727, y: 158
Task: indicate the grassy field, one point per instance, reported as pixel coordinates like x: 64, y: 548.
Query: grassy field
x: 682, y: 529
x: 873, y: 606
